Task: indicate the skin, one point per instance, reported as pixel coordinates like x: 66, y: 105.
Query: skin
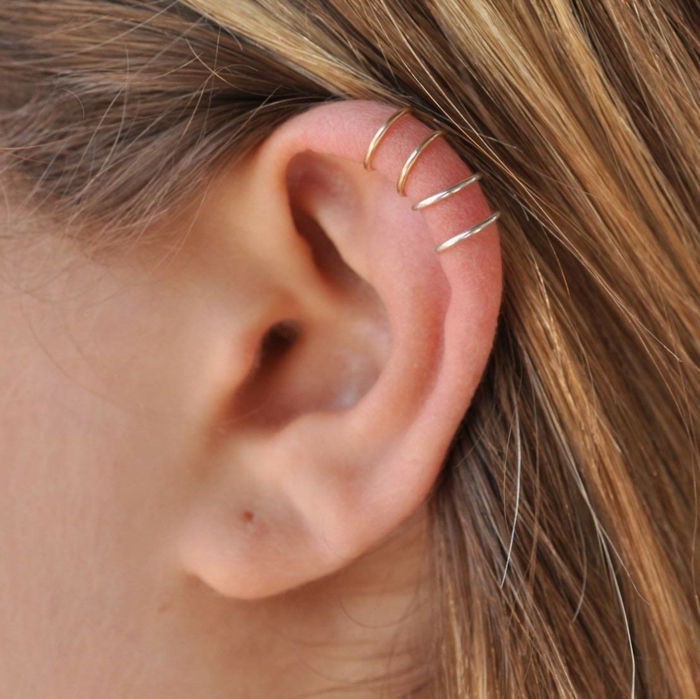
x: 97, y: 471
x: 137, y: 408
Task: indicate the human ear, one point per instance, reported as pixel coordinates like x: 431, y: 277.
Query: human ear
x: 359, y: 347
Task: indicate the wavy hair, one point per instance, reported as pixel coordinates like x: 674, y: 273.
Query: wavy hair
x: 565, y: 521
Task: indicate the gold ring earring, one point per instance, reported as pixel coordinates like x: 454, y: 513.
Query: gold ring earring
x: 468, y: 233
x: 413, y: 158
x: 435, y: 198
x: 377, y: 138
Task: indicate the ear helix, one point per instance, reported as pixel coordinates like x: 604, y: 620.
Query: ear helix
x: 406, y: 171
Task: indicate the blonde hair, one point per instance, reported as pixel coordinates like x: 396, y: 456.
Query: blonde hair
x: 565, y: 522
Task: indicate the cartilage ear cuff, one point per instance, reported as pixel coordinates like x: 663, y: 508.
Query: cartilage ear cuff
x: 406, y: 171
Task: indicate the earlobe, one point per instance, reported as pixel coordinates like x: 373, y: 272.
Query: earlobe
x: 339, y: 439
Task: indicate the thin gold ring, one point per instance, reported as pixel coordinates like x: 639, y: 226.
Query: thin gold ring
x: 380, y: 135
x: 468, y: 233
x: 429, y: 201
x: 401, y: 184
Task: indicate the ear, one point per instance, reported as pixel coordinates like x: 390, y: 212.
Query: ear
x: 359, y: 347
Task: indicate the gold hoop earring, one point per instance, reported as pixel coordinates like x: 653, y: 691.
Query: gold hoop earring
x: 377, y: 138
x: 413, y: 158
x: 435, y: 198
x: 468, y: 233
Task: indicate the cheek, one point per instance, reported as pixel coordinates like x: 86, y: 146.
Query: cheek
x: 90, y: 479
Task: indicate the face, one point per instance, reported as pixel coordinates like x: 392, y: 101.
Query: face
x: 106, y: 442
x: 98, y: 458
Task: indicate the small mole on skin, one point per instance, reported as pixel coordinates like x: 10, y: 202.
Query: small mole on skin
x: 164, y: 607
x: 248, y: 517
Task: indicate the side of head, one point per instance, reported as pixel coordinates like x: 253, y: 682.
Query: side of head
x: 250, y: 413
